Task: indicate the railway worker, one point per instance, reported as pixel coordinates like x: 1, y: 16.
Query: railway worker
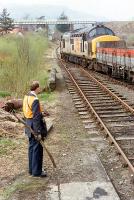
x: 34, y: 119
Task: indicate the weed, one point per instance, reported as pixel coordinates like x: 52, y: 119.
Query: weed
x: 4, y: 94
x: 22, y: 185
x: 6, y: 145
x: 47, y: 96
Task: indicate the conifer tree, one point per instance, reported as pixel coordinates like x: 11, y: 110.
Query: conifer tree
x: 6, y: 23
x: 63, y: 27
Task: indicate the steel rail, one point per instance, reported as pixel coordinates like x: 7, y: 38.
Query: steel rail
x: 114, y: 80
x: 97, y: 116
x: 125, y: 105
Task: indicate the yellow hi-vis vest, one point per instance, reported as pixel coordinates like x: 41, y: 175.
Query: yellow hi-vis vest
x: 27, y: 106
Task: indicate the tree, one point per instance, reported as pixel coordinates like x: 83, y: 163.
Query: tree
x: 41, y: 17
x: 41, y: 25
x: 6, y: 23
x: 63, y: 27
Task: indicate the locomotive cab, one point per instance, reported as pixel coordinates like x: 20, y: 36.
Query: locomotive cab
x: 105, y: 38
x: 97, y: 34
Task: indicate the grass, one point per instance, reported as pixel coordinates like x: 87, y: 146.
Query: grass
x: 21, y: 61
x: 6, y: 145
x: 47, y: 96
x: 4, y: 94
x: 26, y: 185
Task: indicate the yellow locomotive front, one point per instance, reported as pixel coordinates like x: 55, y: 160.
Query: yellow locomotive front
x: 97, y: 35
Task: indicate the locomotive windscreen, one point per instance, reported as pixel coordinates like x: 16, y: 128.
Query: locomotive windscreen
x: 99, y: 30
x: 112, y: 44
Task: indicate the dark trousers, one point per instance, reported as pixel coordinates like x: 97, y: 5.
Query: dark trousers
x: 35, y: 157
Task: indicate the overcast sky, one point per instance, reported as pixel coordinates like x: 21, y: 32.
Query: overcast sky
x: 111, y: 9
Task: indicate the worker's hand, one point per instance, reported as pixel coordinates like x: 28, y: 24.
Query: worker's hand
x: 43, y: 138
x: 46, y: 114
x: 39, y: 137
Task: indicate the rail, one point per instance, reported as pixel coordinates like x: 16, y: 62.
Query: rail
x: 100, y: 122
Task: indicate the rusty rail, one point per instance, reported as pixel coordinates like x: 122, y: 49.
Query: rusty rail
x: 126, y: 106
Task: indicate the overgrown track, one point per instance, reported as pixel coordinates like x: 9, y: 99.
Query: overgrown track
x: 112, y: 112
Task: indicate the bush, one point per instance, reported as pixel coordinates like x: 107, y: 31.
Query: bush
x: 20, y: 61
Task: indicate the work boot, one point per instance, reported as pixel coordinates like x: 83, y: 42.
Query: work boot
x: 43, y: 174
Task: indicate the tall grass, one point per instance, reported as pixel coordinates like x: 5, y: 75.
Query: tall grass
x: 21, y: 60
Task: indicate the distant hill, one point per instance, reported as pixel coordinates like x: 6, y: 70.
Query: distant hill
x: 124, y: 29
x: 50, y: 12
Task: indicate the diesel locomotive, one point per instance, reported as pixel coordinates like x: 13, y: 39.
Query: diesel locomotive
x: 98, y: 48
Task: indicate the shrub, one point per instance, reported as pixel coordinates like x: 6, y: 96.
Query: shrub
x: 20, y: 61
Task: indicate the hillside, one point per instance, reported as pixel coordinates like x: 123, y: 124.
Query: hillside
x: 50, y: 12
x: 124, y: 29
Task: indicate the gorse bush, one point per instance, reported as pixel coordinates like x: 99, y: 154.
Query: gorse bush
x: 21, y: 61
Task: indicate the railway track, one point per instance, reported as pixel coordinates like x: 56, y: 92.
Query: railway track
x: 112, y: 113
x: 112, y: 80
